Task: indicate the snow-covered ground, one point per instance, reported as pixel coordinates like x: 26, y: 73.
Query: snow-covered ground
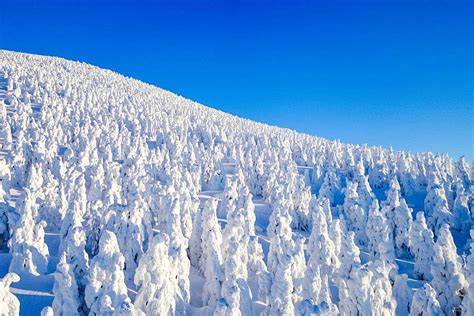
x: 120, y: 198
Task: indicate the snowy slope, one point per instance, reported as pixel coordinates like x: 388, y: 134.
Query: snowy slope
x: 121, y: 198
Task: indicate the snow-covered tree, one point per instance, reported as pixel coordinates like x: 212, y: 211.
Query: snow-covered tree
x: 462, y: 214
x: 9, y: 304
x: 106, y: 291
x: 323, y: 261
x: 349, y: 256
x: 280, y: 264
x: 468, y: 302
x: 398, y: 215
x: 157, y: 290
x: 211, y: 260
x: 422, y: 247
x: 436, y: 207
x: 67, y: 300
x: 355, y: 211
x: 30, y: 253
x: 448, y: 278
x: 380, y: 242
x: 255, y: 266
x: 424, y: 302
x: 403, y: 294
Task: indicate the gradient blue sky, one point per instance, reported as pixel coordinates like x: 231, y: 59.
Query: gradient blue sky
x: 391, y: 73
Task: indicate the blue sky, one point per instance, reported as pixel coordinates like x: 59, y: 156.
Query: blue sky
x: 390, y: 73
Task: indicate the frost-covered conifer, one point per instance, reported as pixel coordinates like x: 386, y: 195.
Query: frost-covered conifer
x: 380, y: 244
x: 280, y: 264
x: 425, y: 303
x: 234, y: 288
x: 30, y: 253
x: 132, y: 234
x: 463, y: 172
x: 157, y: 291
x: 299, y: 268
x: 280, y: 301
x: 321, y: 249
x: 9, y: 304
x: 448, y: 278
x: 336, y: 231
x: 403, y: 294
x: 229, y: 199
x: 382, y: 301
x: 462, y: 215
x: 422, y: 247
x: 106, y: 291
x: 436, y: 206
x: 350, y: 256
x: 211, y: 260
x: 255, y: 266
x: 367, y: 291
x: 398, y: 215
x: 66, y: 294
x: 468, y: 301
x: 354, y: 212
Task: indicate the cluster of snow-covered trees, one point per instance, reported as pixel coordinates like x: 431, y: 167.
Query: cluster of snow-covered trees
x: 154, y: 199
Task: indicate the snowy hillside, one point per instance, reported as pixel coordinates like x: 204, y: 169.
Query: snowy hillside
x: 119, y: 198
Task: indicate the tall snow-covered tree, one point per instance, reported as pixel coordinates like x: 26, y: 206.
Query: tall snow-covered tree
x: 211, y: 260
x: 398, y: 215
x: 448, y: 278
x: 422, y: 247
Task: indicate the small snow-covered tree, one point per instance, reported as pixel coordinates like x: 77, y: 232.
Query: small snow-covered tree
x: 422, y: 247
x: 424, y: 302
x: 448, y: 278
x: 229, y: 200
x: 299, y: 268
x: 255, y: 266
x: 106, y: 291
x: 9, y: 304
x: 336, y: 231
x: 462, y: 214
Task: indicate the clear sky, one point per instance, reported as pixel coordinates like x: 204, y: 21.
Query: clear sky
x: 390, y: 73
